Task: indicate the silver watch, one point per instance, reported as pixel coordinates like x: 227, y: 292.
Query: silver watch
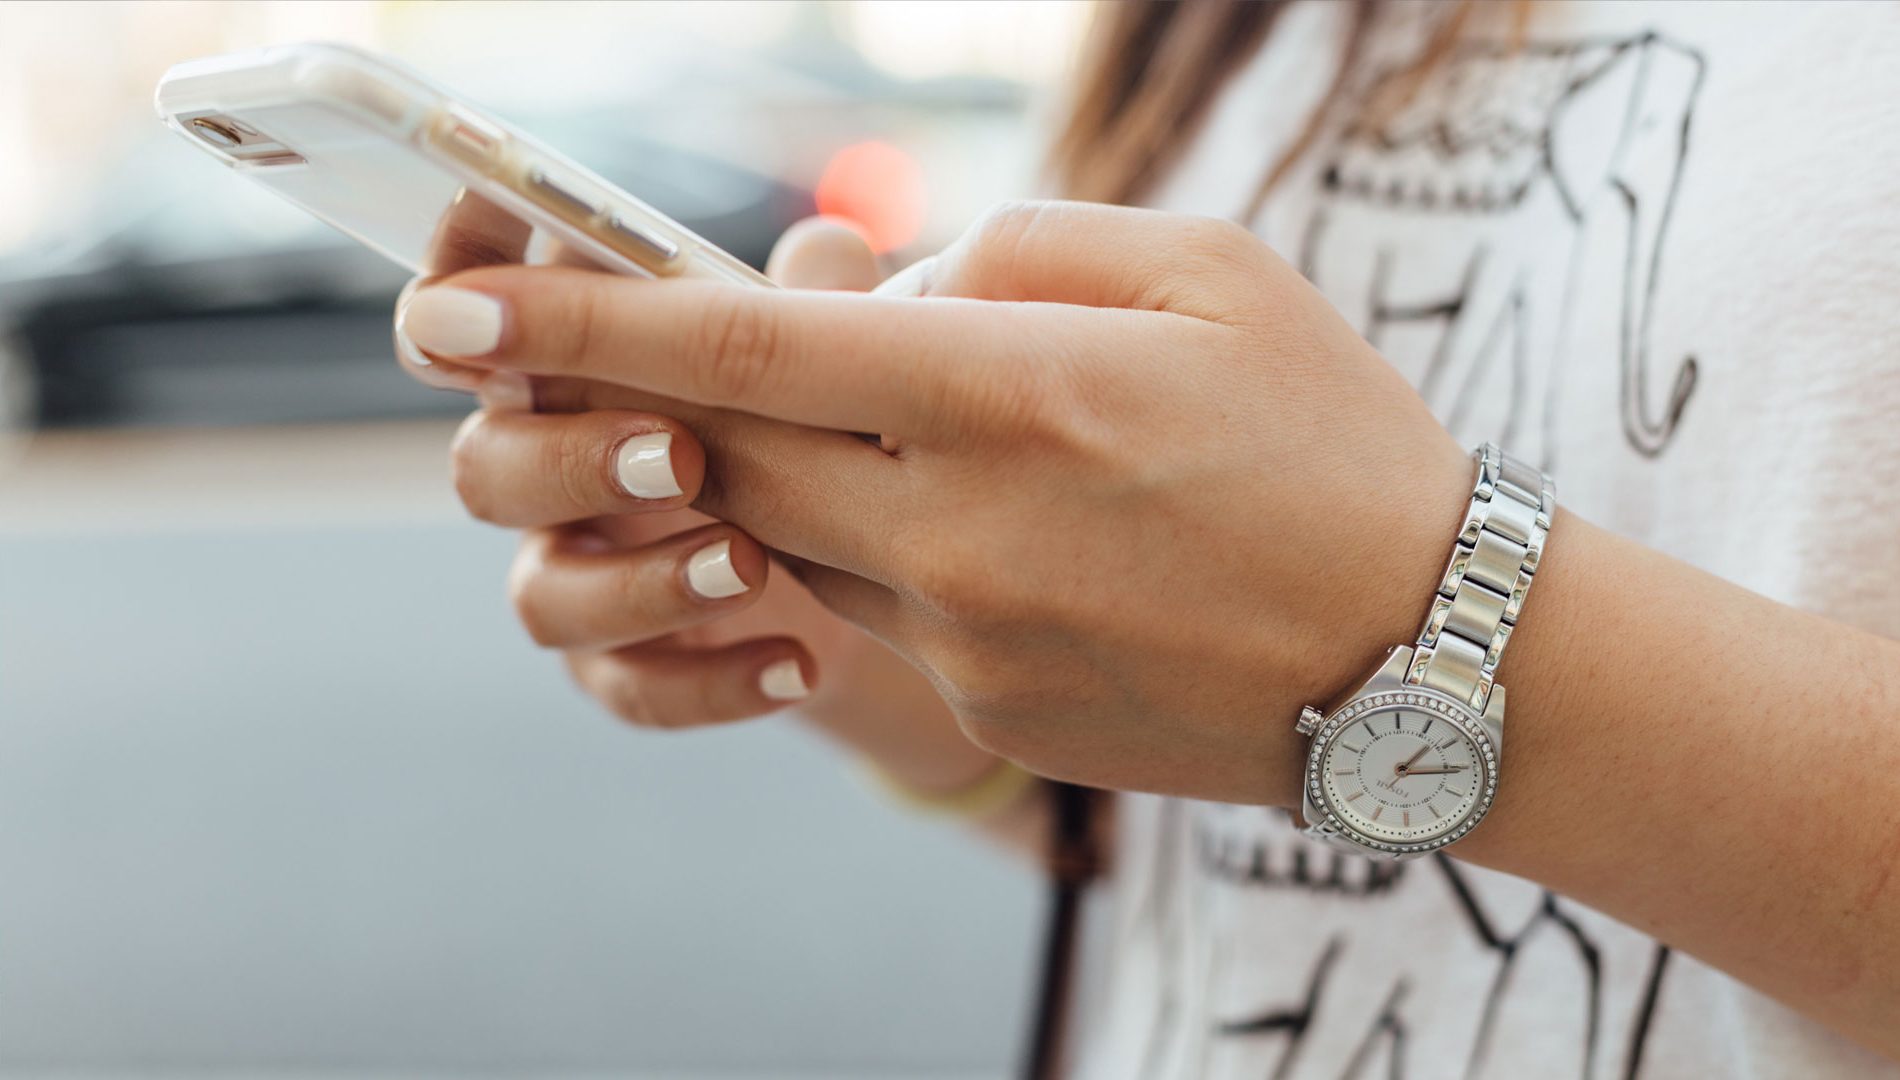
x: 1407, y: 762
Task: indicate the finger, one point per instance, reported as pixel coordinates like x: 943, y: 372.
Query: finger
x: 912, y: 281
x: 823, y: 253
x: 428, y: 370
x: 472, y: 232
x: 671, y: 686
x: 835, y: 360
x: 1098, y: 256
x: 525, y: 470
x: 792, y: 487
x: 570, y: 592
x: 475, y: 231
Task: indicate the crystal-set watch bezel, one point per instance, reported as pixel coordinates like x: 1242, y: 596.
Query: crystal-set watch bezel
x: 1442, y: 707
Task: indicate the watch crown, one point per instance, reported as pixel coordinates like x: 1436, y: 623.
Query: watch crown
x: 1309, y: 720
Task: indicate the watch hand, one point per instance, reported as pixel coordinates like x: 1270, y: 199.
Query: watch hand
x: 1435, y: 772
x: 1406, y: 765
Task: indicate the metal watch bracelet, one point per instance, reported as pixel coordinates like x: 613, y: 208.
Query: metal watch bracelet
x: 1482, y: 591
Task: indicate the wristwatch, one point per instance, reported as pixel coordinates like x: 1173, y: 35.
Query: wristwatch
x: 1407, y: 762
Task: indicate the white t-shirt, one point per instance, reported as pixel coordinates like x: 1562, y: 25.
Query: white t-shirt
x: 1547, y: 240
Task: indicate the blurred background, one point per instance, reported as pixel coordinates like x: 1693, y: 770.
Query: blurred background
x: 283, y: 789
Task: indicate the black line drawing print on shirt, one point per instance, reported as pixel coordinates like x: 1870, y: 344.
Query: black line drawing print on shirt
x: 1555, y: 140
x: 1614, y: 1021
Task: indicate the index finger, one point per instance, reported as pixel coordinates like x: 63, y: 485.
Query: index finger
x: 851, y: 362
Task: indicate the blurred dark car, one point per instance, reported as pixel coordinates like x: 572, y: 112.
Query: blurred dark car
x: 185, y: 296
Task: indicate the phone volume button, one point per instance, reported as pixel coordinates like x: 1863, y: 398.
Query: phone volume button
x: 658, y: 247
x: 574, y: 203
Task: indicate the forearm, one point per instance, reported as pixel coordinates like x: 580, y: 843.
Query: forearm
x: 1711, y: 767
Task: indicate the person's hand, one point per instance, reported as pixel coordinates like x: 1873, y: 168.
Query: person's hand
x: 1140, y: 492
x: 668, y: 617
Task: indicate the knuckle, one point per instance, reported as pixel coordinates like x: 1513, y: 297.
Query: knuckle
x: 1218, y: 238
x: 530, y: 605
x: 614, y: 685
x: 584, y: 322
x: 706, y: 700
x: 629, y: 700
x: 1213, y: 253
x: 740, y: 337
x: 578, y: 463
x: 995, y: 241
x: 1003, y: 225
x: 466, y: 470
x: 649, y: 604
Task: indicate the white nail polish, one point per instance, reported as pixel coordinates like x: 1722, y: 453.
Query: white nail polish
x: 644, y: 465
x: 710, y: 572
x: 782, y: 680
x: 507, y: 391
x: 437, y: 376
x: 911, y: 281
x: 451, y: 322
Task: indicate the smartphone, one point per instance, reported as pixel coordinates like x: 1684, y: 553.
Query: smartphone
x: 403, y: 166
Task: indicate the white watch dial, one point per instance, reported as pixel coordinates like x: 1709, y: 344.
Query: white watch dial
x: 1403, y: 773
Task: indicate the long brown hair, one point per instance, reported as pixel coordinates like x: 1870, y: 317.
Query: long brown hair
x: 1152, y: 69
x: 1150, y: 74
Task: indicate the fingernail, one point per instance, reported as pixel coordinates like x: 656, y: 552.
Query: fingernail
x: 442, y: 376
x: 452, y: 322
x: 507, y: 391
x: 912, y: 280
x: 644, y: 464
x: 782, y: 680
x: 710, y: 572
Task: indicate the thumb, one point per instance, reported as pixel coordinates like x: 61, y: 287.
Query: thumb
x: 823, y: 253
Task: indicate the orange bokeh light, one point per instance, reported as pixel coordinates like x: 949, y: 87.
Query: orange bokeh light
x: 878, y: 187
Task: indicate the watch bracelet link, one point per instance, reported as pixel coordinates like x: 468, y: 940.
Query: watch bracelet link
x: 1484, y: 586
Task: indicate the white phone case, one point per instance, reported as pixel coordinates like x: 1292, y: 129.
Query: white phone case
x: 399, y: 164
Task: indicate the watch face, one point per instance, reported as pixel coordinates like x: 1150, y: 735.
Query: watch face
x: 1402, y: 771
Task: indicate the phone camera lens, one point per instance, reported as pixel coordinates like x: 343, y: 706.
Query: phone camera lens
x: 215, y: 133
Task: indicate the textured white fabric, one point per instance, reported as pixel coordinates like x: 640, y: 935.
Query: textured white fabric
x: 1541, y: 240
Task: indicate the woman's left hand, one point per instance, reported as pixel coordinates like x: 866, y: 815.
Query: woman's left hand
x: 1139, y: 495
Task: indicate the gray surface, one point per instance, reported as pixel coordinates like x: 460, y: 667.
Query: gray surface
x: 307, y: 800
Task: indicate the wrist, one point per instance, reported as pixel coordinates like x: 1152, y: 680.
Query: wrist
x: 1408, y: 760
x: 1396, y: 560
x: 1540, y: 672
x: 1001, y: 786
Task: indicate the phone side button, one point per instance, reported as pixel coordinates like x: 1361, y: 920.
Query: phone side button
x: 657, y: 248
x: 561, y: 195
x: 465, y: 136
